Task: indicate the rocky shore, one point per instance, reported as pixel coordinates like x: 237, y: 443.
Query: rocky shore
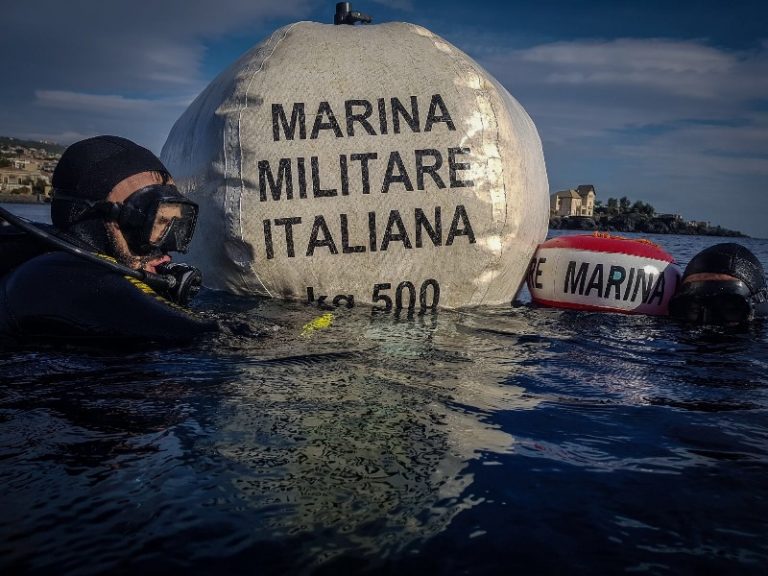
x: 636, y: 222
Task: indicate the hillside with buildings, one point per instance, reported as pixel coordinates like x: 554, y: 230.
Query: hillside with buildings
x: 579, y: 209
x: 26, y: 168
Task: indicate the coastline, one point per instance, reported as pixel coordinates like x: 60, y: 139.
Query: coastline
x: 633, y: 222
x: 21, y: 199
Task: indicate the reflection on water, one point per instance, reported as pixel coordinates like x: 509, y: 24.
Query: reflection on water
x: 372, y: 443
x: 515, y: 438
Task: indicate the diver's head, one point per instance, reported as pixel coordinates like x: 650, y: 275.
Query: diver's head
x: 723, y: 284
x: 117, y: 197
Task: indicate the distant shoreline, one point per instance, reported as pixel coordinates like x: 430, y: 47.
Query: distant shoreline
x: 631, y: 222
x: 21, y: 199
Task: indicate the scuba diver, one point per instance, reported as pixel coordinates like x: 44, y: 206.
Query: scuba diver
x: 724, y: 285
x: 103, y: 271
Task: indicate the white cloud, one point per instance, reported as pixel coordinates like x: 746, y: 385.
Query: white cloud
x: 119, y: 67
x: 123, y: 45
x: 629, y: 54
x: 582, y: 89
x: 675, y: 67
x: 658, y: 120
x: 94, y: 103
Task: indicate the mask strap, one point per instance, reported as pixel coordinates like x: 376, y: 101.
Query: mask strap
x: 89, y: 209
x: 105, y: 210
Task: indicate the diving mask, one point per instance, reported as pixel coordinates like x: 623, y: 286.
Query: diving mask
x: 722, y: 302
x: 157, y: 218
x: 723, y: 284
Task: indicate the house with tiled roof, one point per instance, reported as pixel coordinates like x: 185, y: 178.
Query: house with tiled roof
x: 574, y: 202
x: 12, y: 178
x: 24, y: 169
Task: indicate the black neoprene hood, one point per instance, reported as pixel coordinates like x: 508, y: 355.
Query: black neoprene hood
x: 89, y: 169
x: 731, y: 259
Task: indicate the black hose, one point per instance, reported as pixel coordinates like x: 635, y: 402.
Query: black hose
x: 165, y: 282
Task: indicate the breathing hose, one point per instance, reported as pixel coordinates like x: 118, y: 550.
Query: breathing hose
x: 180, y: 289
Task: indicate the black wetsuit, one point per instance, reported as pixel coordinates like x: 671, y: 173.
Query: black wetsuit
x: 58, y: 296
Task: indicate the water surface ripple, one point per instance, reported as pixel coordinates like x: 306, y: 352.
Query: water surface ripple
x: 502, y: 440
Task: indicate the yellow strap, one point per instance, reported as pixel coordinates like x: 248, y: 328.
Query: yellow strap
x: 317, y: 324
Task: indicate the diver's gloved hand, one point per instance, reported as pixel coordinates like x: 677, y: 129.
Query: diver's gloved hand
x: 723, y: 284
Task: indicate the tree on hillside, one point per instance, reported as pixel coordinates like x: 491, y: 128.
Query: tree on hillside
x: 39, y: 186
x: 613, y: 206
x: 624, y: 204
x: 643, y: 208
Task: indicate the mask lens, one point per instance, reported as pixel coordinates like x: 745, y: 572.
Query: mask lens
x: 733, y: 309
x: 723, y: 310
x: 173, y: 226
x: 158, y: 218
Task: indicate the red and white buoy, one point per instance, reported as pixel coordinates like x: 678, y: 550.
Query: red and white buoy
x: 603, y: 273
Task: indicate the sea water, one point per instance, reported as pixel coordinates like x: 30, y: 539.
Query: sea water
x: 488, y: 441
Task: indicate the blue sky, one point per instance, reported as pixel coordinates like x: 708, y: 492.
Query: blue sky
x: 658, y: 101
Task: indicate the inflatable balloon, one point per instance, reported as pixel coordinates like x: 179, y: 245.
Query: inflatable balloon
x: 361, y: 164
x: 603, y: 273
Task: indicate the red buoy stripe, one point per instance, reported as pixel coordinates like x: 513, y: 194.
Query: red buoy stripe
x: 584, y: 307
x: 609, y: 246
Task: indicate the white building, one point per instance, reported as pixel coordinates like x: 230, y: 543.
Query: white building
x: 578, y: 202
